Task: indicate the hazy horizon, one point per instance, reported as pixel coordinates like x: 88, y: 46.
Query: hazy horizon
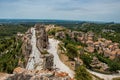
x: 50, y: 20
x: 83, y: 10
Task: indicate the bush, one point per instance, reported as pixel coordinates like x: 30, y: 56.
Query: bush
x: 9, y: 60
x: 114, y: 65
x: 45, y: 52
x: 87, y: 59
x: 82, y: 74
x: 71, y: 51
x: 116, y: 78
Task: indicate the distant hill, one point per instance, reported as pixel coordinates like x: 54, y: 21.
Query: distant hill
x: 16, y: 21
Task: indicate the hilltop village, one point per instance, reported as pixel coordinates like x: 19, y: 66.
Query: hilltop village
x: 101, y: 45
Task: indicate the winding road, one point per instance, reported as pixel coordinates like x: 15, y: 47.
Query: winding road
x: 104, y: 76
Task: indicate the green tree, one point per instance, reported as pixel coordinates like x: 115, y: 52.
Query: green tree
x: 71, y: 51
x: 87, y: 59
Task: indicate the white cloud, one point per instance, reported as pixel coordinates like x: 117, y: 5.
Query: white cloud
x: 106, y: 10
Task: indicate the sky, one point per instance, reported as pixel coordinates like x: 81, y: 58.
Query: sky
x: 86, y: 10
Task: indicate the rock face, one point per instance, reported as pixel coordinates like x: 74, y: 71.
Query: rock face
x: 48, y: 72
x: 39, y: 57
x: 26, y: 47
x: 60, y: 35
x: 48, y: 60
x: 42, y: 37
x: 4, y: 76
x: 22, y: 74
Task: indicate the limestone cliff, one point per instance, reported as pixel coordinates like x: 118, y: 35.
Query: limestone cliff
x: 23, y: 74
x: 48, y: 71
x: 42, y: 37
x: 26, y: 47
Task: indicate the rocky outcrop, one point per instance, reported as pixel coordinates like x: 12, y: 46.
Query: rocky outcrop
x: 22, y: 74
x: 42, y: 37
x: 48, y: 72
x: 60, y: 35
x: 42, y: 44
x: 26, y: 47
x: 50, y: 27
x: 48, y: 61
x: 4, y: 76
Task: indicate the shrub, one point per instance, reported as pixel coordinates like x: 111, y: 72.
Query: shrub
x: 82, y: 74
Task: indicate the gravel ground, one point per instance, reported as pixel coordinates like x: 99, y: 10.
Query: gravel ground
x: 35, y: 55
x: 57, y: 62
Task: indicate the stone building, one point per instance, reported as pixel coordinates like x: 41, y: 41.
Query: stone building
x: 98, y: 64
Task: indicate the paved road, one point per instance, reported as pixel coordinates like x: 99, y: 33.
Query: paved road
x: 104, y: 76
